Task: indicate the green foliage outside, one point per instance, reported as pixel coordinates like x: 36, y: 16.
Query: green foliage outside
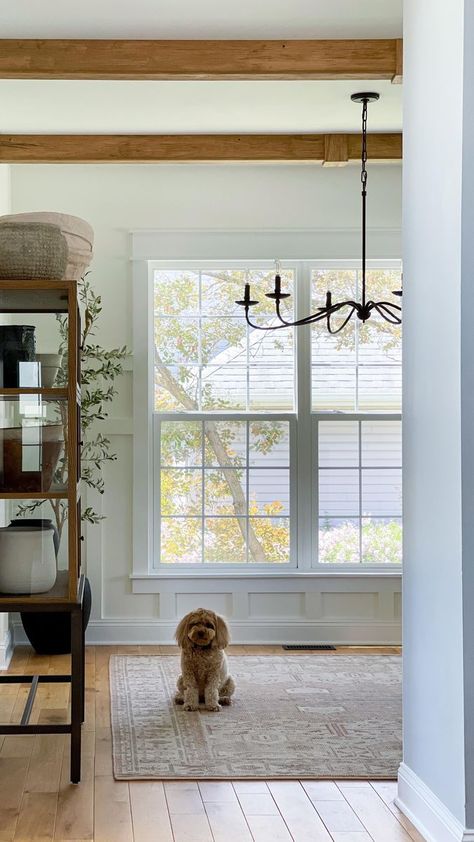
x: 381, y: 543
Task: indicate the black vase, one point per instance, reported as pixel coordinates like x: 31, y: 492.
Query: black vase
x: 49, y: 632
x: 17, y: 345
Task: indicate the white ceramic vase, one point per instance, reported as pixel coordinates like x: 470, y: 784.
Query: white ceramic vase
x: 50, y: 364
x: 27, y: 560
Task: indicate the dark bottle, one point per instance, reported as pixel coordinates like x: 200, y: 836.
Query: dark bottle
x: 17, y: 345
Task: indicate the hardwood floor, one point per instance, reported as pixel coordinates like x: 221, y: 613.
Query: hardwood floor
x: 38, y: 804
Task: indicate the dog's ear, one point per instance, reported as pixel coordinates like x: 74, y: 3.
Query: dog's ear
x: 181, y: 633
x: 222, y: 632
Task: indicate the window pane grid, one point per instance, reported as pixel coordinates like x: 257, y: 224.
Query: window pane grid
x: 232, y: 505
x: 212, y: 467
x: 259, y: 516
x: 247, y: 481
x: 241, y: 518
x: 359, y: 515
x: 360, y: 475
x: 207, y: 359
x: 203, y: 462
x: 359, y: 369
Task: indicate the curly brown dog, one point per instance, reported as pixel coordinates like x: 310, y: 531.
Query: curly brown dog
x: 202, y: 636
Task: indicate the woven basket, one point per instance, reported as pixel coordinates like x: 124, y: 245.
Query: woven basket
x: 79, y: 237
x: 32, y: 250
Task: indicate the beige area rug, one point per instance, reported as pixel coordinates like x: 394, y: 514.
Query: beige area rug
x: 299, y: 716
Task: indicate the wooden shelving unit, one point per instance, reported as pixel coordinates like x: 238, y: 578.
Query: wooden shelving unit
x: 54, y: 297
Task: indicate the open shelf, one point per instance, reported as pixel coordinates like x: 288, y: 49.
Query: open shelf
x: 34, y: 495
x: 40, y: 296
x: 40, y: 432
x: 40, y: 427
x: 58, y: 593
x: 34, y: 390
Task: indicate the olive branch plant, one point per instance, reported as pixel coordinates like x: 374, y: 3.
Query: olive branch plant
x: 100, y: 368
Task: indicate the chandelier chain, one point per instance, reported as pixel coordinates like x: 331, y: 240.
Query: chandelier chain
x: 363, y: 178
x: 363, y: 174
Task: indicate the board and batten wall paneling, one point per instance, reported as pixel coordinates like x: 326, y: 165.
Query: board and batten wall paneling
x: 180, y: 203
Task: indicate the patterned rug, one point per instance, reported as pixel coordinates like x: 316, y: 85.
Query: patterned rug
x: 304, y: 716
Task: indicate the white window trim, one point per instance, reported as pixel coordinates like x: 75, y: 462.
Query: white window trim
x: 143, y: 449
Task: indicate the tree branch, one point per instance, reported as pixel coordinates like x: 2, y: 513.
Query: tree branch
x: 236, y: 492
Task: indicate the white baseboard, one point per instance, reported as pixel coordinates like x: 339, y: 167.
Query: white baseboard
x: 131, y: 631
x: 425, y: 810
x: 6, y: 649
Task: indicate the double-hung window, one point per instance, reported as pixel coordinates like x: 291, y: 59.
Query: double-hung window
x: 277, y: 449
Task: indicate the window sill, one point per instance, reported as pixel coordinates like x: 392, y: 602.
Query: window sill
x: 264, y: 574
x: 155, y: 582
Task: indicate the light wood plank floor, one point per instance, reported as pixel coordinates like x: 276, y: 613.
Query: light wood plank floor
x: 37, y: 802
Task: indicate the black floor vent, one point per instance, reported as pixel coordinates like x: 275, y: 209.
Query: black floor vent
x: 310, y: 646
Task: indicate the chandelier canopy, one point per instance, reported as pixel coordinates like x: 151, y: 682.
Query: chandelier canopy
x: 363, y: 309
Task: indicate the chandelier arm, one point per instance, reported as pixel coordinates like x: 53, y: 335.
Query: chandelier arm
x: 283, y: 321
x: 263, y: 327
x: 335, y: 309
x: 333, y: 332
x: 299, y: 322
x: 388, y: 315
x: 322, y: 313
x: 325, y: 312
x: 388, y: 305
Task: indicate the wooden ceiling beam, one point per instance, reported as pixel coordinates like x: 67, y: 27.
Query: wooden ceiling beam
x: 99, y: 59
x: 397, y: 77
x: 381, y: 147
x: 336, y: 150
x: 299, y: 148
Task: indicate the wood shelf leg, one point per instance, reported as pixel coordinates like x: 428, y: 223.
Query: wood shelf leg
x: 77, y: 692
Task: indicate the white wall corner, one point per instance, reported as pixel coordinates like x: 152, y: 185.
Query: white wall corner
x: 6, y: 643
x: 426, y: 812
x: 5, y: 189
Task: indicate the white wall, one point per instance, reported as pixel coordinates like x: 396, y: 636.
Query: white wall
x: 118, y: 198
x: 5, y: 647
x: 467, y: 415
x: 438, y: 414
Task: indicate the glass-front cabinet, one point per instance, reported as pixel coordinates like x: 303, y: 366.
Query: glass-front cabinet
x: 39, y: 441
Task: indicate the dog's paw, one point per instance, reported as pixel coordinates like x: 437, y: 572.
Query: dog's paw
x: 191, y: 707
x: 225, y: 700
x: 213, y: 708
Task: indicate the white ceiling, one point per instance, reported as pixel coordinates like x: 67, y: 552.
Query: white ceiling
x: 189, y: 106
x: 196, y: 107
x: 203, y: 19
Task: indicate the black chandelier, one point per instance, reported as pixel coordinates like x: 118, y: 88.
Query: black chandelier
x: 363, y: 309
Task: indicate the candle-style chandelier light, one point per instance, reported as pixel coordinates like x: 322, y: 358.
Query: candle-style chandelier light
x: 363, y: 309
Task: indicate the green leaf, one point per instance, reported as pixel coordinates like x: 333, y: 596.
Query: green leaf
x: 100, y: 368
